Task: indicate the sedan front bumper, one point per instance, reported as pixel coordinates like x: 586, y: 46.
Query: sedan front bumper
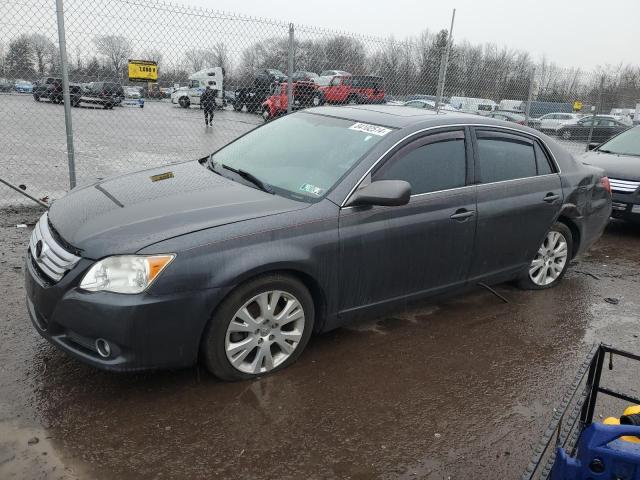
x: 143, y: 331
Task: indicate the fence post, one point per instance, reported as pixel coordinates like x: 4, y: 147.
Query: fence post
x: 290, y: 70
x: 595, y: 111
x: 65, y: 93
x: 444, y: 63
x: 532, y: 85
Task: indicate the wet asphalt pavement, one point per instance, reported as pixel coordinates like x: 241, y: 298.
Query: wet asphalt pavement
x: 460, y: 388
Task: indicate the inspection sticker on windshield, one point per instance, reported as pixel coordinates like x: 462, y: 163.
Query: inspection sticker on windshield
x: 368, y: 128
x: 307, y: 187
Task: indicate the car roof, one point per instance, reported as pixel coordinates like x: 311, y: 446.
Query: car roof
x: 399, y: 116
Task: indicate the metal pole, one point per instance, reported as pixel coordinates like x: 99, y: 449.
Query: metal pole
x: 444, y: 64
x: 19, y: 190
x: 532, y: 84
x: 65, y: 93
x: 595, y: 110
x: 290, y: 70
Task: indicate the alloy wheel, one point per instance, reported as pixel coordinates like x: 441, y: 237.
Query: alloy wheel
x: 264, y: 332
x: 550, y: 260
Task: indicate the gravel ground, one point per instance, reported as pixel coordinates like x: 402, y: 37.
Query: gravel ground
x: 460, y: 388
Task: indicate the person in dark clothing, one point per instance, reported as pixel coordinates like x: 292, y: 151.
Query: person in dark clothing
x: 208, y: 103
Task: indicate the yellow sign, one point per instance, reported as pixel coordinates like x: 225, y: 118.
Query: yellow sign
x: 577, y: 106
x: 143, y: 71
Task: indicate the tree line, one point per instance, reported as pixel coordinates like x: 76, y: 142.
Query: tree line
x: 409, y: 66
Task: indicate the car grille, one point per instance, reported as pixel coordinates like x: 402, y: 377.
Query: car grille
x: 623, y: 186
x: 51, y: 258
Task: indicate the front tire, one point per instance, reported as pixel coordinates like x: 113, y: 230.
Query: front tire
x: 566, y: 135
x: 36, y: 97
x: 184, y: 102
x: 551, y: 260
x: 261, y: 327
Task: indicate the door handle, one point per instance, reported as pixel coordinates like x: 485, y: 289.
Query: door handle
x: 551, y: 197
x: 462, y: 214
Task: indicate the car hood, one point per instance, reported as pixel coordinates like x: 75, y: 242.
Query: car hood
x: 624, y: 167
x: 126, y: 213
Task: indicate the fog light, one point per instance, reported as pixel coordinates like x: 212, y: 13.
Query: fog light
x: 103, y: 348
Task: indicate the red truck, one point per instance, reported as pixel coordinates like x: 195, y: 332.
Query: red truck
x: 342, y: 89
x: 354, y: 89
x: 305, y: 94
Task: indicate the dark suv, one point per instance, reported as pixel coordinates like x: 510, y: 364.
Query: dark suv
x: 51, y: 88
x: 107, y: 94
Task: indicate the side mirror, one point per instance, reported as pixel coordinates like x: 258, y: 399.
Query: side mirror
x: 388, y: 193
x: 593, y: 146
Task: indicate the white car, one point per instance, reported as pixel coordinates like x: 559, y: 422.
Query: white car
x: 428, y: 105
x: 551, y: 122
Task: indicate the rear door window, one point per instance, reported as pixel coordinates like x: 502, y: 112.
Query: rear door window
x: 430, y: 164
x: 503, y: 156
x: 542, y: 161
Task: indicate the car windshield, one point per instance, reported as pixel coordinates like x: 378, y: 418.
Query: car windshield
x: 301, y: 156
x: 627, y: 143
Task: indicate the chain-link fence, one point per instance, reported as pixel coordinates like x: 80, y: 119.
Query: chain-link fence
x: 258, y: 69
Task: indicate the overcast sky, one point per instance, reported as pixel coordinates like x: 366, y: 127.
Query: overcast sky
x: 581, y: 33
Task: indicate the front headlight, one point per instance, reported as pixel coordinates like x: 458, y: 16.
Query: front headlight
x: 125, y: 273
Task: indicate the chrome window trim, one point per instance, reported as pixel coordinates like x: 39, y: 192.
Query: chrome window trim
x: 456, y: 125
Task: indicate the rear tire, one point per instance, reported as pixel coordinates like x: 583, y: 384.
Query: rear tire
x: 566, y: 135
x: 237, y: 106
x: 551, y: 260
x: 230, y: 326
x: 36, y: 97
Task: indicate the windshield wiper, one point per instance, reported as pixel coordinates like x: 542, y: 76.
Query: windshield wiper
x: 265, y: 187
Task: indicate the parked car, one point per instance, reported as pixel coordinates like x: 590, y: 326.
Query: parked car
x: 620, y: 159
x: 551, y: 122
x: 264, y: 83
x: 428, y: 97
x: 305, y: 94
x: 508, y: 116
x: 23, y: 86
x: 333, y: 73
x: 132, y: 98
x: 368, y: 88
x: 428, y: 105
x: 105, y: 94
x: 5, y: 85
x: 339, y: 90
x: 540, y: 108
x: 603, y: 129
x: 238, y: 258
x: 480, y: 106
x: 132, y: 92
x: 51, y: 89
x: 304, y: 76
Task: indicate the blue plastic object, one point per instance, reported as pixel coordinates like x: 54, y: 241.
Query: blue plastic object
x: 601, y: 454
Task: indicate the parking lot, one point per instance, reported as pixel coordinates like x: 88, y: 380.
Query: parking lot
x: 108, y: 142
x: 462, y: 388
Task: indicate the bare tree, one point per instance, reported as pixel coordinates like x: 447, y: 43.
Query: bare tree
x: 44, y: 51
x: 153, y: 55
x: 194, y: 59
x: 116, y: 48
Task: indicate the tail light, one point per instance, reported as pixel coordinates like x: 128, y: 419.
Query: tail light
x: 604, y: 181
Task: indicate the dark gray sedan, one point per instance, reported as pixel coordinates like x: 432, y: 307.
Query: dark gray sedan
x: 300, y: 226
